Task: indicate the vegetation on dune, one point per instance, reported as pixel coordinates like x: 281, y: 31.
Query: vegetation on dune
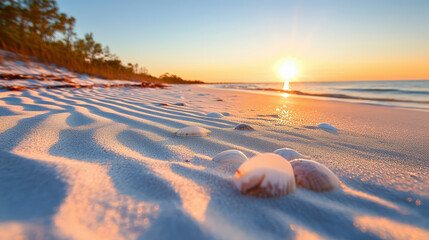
x: 171, y: 78
x: 37, y: 28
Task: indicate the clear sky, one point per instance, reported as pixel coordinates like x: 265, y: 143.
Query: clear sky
x: 243, y: 40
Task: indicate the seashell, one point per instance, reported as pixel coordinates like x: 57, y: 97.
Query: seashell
x: 215, y: 115
x: 327, y: 127
x: 230, y: 156
x: 244, y: 127
x: 180, y: 104
x: 265, y: 175
x: 163, y: 104
x: 314, y: 176
x: 289, y: 154
x: 192, y: 132
x: 219, y: 100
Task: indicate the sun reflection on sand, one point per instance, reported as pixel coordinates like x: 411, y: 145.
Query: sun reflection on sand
x: 372, y: 198
x: 286, y: 116
x: 303, y: 234
x: 389, y: 229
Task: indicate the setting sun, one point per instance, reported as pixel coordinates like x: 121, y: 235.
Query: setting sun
x: 287, y: 69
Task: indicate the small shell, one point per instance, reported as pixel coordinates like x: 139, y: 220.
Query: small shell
x: 180, y: 104
x: 265, y: 175
x: 289, y: 154
x: 163, y: 104
x: 215, y: 115
x: 230, y: 156
x: 244, y: 127
x: 314, y: 176
x: 192, y: 132
x: 327, y: 127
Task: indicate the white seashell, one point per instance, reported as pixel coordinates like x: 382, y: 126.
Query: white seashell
x: 314, y: 176
x: 215, y: 115
x: 192, y: 132
x: 230, y: 156
x: 289, y: 154
x: 328, y: 127
x: 265, y: 175
x: 244, y: 127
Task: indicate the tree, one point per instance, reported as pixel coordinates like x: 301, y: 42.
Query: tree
x: 93, y: 49
x: 37, y: 28
x: 67, y: 31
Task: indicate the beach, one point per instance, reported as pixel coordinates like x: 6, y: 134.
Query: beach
x: 105, y: 163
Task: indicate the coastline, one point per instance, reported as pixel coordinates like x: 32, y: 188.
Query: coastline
x: 406, y: 94
x: 116, y: 170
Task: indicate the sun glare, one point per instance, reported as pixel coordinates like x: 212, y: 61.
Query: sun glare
x: 287, y: 69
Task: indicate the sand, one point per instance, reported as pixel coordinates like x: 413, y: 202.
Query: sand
x: 105, y: 163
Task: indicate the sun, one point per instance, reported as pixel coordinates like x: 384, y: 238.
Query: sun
x: 288, y: 69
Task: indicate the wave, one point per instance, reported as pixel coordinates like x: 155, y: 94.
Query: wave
x: 330, y: 95
x: 385, y: 90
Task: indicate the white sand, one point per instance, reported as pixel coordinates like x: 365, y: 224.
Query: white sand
x: 105, y: 164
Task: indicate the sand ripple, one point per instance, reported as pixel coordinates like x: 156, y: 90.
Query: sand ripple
x: 105, y: 164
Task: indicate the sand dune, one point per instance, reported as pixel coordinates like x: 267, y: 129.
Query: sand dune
x: 105, y: 164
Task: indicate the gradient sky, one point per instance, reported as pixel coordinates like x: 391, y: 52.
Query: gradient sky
x: 242, y: 41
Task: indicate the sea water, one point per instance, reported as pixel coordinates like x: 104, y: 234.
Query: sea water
x: 410, y: 94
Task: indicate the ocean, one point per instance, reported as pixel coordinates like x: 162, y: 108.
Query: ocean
x: 408, y: 94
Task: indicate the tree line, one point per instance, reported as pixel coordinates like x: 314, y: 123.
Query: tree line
x: 37, y: 28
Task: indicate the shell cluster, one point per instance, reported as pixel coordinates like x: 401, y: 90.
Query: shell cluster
x: 192, y: 131
x: 276, y: 174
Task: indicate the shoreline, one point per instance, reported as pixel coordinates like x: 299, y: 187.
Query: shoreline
x: 390, y: 102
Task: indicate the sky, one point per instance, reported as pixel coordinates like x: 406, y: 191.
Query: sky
x: 243, y: 41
